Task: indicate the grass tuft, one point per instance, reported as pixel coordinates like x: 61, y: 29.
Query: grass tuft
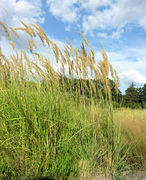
x: 61, y: 123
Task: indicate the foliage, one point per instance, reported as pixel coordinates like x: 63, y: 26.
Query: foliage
x: 131, y: 98
x: 135, y: 97
x: 143, y: 98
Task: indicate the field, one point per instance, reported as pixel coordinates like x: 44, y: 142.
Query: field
x: 55, y: 126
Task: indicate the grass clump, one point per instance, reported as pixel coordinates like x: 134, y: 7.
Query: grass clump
x: 57, y: 123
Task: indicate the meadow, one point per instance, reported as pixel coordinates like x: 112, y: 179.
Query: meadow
x: 53, y: 126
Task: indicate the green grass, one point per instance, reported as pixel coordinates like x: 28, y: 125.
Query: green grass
x: 52, y: 129
x: 35, y: 128
x: 48, y: 134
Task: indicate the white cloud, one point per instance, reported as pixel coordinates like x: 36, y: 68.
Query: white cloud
x: 100, y: 14
x: 113, y: 35
x: 92, y: 5
x: 29, y: 11
x: 70, y: 11
x: 103, y: 35
x: 11, y: 11
x: 6, y: 49
x: 116, y: 34
x: 119, y: 14
x: 132, y: 76
x: 64, y: 9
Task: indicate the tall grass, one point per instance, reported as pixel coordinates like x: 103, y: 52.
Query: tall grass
x: 48, y: 126
x: 133, y: 126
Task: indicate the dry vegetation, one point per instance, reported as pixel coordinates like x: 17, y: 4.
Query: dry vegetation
x: 48, y: 128
x: 133, y: 126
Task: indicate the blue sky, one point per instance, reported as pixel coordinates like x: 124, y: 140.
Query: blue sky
x: 119, y: 24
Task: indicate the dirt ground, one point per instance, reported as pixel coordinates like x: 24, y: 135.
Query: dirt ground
x: 140, y: 175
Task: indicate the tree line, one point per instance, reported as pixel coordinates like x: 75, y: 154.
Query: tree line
x: 133, y: 97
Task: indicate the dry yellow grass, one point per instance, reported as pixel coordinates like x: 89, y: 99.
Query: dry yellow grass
x: 79, y: 62
x: 133, y: 126
x: 133, y: 121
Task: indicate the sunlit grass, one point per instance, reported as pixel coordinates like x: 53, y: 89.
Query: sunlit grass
x: 54, y: 126
x: 133, y: 126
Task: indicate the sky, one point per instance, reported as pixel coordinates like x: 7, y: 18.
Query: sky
x: 119, y: 24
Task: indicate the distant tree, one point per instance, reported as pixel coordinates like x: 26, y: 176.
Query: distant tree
x: 140, y: 93
x: 131, y: 98
x: 144, y: 96
x: 116, y: 97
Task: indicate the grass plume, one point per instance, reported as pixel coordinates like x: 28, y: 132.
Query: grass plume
x: 58, y: 123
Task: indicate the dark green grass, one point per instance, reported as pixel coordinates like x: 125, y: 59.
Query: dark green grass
x: 45, y: 132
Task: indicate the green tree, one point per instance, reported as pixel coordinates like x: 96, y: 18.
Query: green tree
x: 140, y: 93
x: 131, y: 98
x: 144, y: 96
